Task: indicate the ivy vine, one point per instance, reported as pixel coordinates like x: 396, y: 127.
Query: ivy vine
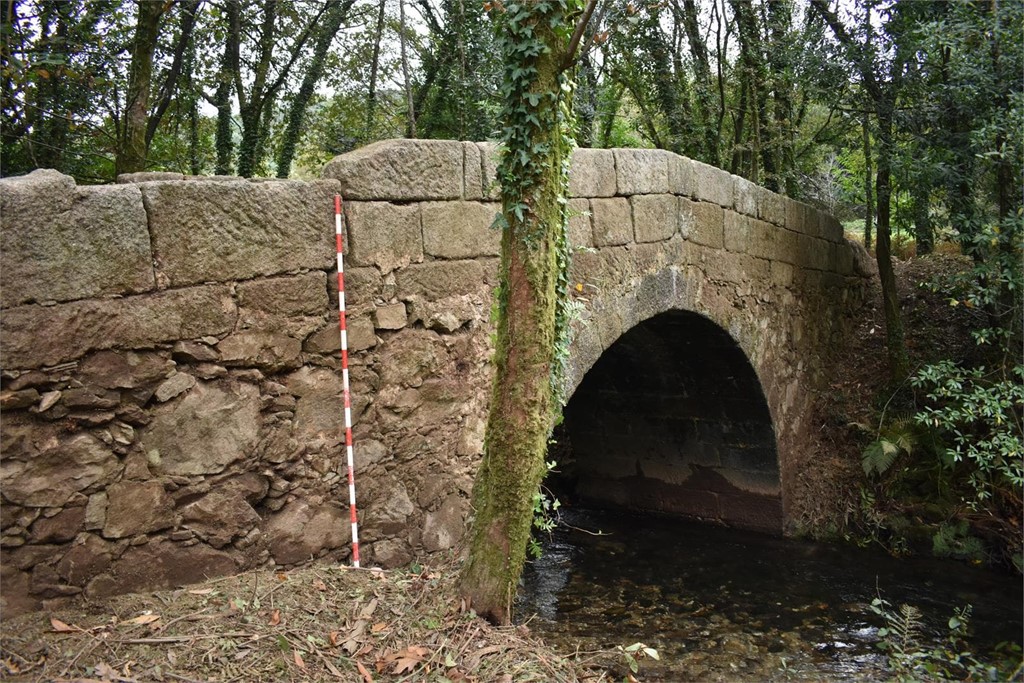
x: 538, y: 122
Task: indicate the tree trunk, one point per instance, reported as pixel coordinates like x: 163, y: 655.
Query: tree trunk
x: 410, y: 123
x: 899, y: 362
x: 131, y: 153
x: 869, y: 194
x: 227, y: 78
x: 534, y: 257
x: 920, y: 209
x: 371, y: 94
x: 297, y: 111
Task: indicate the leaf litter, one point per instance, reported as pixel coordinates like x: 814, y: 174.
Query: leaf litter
x: 317, y: 623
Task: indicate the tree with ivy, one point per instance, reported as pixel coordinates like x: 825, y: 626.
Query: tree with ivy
x: 538, y: 43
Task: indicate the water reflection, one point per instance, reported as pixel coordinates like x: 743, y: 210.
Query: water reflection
x: 723, y: 604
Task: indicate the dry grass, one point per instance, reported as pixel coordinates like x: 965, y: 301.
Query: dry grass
x: 314, y: 624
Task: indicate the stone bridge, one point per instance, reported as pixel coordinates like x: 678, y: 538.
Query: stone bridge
x: 171, y: 389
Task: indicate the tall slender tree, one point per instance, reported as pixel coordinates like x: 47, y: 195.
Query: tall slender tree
x: 538, y: 44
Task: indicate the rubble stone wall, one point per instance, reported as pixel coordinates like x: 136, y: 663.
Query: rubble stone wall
x: 171, y: 388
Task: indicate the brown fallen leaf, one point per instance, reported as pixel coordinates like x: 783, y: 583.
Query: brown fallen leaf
x: 367, y: 678
x: 143, y: 619
x: 333, y: 637
x: 407, y: 660
x: 275, y: 618
x: 60, y: 627
x: 298, y: 660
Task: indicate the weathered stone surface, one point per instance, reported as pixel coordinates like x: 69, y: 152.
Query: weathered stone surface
x: 96, y: 511
x: 295, y: 295
x: 581, y: 234
x: 489, y: 157
x: 447, y: 315
x: 411, y: 357
x: 212, y: 426
x: 390, y: 317
x: 137, y: 508
x: 771, y: 207
x: 16, y: 597
x: 161, y: 564
x: 473, y: 172
x: 13, y: 400
x: 443, y: 529
x: 91, y: 399
x: 59, y: 242
x: 385, y: 235
x: 613, y: 221
x: 219, y: 517
x: 271, y: 351
x: 60, y: 528
x: 35, y: 336
x: 300, y: 532
x: 735, y: 229
x: 194, y: 352
x: 85, y: 560
x: 437, y: 280
x: 327, y: 340
x: 239, y: 230
x: 390, y: 509
x: 361, y: 335
x: 251, y: 486
x: 701, y: 223
x: 55, y: 474
x: 400, y: 170
x: 642, y: 171
x: 175, y: 385
x: 457, y: 230
x: 680, y: 175
x: 592, y: 173
x: 390, y: 553
x: 123, y: 369
x: 318, y: 420
x: 148, y: 176
x: 655, y: 217
x: 362, y: 286
x: 712, y: 184
x: 863, y: 264
x: 745, y: 194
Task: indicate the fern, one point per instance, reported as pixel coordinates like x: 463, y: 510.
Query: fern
x: 896, y: 437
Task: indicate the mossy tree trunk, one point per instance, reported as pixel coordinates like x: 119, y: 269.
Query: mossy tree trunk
x: 533, y: 173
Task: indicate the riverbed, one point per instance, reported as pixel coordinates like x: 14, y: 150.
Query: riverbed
x: 725, y: 604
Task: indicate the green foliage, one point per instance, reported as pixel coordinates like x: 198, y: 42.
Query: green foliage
x: 911, y: 658
x: 954, y: 540
x: 895, y: 437
x: 631, y: 655
x: 980, y: 415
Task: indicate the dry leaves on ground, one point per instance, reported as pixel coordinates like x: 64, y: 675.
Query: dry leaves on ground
x: 313, y: 624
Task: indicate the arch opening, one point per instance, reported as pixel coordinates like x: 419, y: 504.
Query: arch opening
x: 672, y: 419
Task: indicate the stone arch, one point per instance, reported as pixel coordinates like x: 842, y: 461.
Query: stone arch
x: 695, y: 436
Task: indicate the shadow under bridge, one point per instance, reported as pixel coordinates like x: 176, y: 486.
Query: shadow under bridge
x: 672, y: 419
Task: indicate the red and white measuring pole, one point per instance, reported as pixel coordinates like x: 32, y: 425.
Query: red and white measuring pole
x: 344, y: 381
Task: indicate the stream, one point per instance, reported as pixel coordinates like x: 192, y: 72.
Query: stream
x: 724, y: 604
